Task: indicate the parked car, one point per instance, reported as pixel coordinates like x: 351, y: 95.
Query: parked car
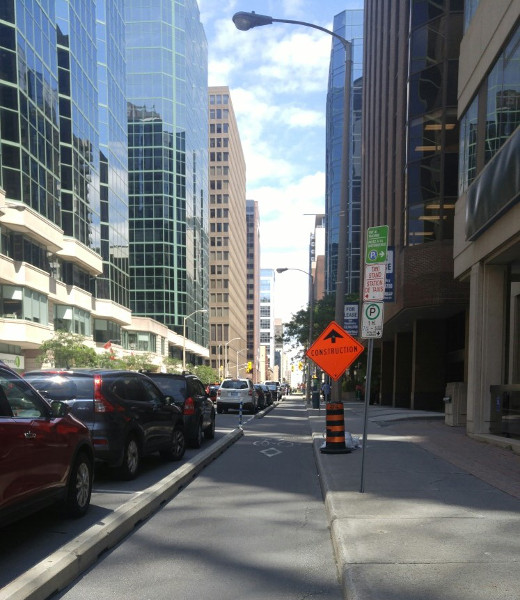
x: 274, y: 387
x: 126, y: 412
x: 234, y: 391
x: 46, y: 454
x: 190, y: 396
x: 264, y: 395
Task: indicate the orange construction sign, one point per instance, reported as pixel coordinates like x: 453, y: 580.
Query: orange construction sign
x: 334, y: 350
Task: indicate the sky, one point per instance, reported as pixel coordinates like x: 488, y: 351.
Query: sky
x: 277, y: 75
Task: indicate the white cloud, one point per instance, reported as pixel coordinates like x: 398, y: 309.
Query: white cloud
x: 278, y: 81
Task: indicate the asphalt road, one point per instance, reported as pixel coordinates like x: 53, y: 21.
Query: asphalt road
x: 252, y: 525
x: 29, y: 541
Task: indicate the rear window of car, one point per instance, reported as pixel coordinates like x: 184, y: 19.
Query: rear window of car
x: 63, y: 387
x: 234, y: 384
x: 171, y: 386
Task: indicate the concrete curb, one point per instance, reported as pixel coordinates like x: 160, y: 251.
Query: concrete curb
x: 61, y: 568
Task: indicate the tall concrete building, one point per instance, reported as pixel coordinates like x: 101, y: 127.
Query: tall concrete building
x: 253, y: 287
x: 228, y: 237
x: 317, y: 257
x: 487, y: 217
x: 349, y: 25
x: 410, y: 140
x: 267, y: 325
x: 166, y: 57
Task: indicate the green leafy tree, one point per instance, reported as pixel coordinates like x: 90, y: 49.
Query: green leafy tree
x: 137, y: 362
x: 296, y: 331
x: 206, y: 374
x: 67, y: 350
x: 173, y: 365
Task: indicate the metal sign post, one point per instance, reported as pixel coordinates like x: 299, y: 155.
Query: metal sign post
x: 365, y: 417
x: 372, y: 317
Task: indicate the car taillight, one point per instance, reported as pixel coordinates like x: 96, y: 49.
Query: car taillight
x: 189, y: 406
x: 250, y: 392
x: 101, y: 404
x: 218, y: 393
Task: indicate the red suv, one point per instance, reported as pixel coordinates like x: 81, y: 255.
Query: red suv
x: 46, y: 454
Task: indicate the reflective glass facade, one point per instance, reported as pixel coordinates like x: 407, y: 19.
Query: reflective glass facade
x: 29, y: 125
x: 49, y: 127
x: 114, y: 283
x: 79, y: 139
x: 166, y: 56
x: 349, y: 25
x: 498, y: 103
x: 433, y: 130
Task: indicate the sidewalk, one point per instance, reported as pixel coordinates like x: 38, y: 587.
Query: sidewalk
x: 439, y: 518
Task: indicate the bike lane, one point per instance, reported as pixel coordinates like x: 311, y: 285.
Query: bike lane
x: 252, y: 525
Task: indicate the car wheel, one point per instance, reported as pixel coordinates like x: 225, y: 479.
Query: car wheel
x: 79, y: 488
x: 177, y: 446
x: 209, y: 432
x: 131, y: 459
x: 196, y: 440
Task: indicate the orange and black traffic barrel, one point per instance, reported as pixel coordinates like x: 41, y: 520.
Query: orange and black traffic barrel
x: 335, y: 430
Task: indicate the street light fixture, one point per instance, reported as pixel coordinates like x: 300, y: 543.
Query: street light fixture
x: 226, y: 361
x: 240, y: 352
x: 200, y: 310
x: 245, y: 21
x: 311, y: 324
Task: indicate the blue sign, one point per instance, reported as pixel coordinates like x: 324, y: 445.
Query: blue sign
x: 351, y: 318
x: 389, y: 277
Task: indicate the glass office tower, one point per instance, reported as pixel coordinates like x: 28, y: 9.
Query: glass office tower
x: 79, y: 138
x: 166, y: 56
x: 114, y: 283
x: 349, y: 25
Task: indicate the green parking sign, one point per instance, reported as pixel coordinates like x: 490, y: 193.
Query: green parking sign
x: 377, y: 244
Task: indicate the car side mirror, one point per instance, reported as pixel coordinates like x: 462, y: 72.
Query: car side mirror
x: 59, y: 409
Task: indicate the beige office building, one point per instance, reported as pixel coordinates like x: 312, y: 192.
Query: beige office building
x: 228, y: 238
x: 487, y: 217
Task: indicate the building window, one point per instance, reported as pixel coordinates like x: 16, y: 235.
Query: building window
x: 468, y: 147
x: 72, y: 319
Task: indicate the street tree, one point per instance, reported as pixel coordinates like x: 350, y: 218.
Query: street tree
x: 67, y: 350
x: 206, y: 374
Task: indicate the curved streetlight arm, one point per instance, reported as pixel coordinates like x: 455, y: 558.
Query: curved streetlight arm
x: 200, y: 310
x: 226, y: 360
x: 245, y: 21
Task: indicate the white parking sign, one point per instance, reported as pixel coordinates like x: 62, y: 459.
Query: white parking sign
x: 372, y: 320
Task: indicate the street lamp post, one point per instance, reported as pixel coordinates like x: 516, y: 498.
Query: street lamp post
x: 240, y: 352
x: 226, y: 361
x: 200, y: 310
x: 245, y: 21
x: 311, y: 324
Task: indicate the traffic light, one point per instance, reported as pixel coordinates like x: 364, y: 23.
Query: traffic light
x: 249, y: 367
x: 300, y: 365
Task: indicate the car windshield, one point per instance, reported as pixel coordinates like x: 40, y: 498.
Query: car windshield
x: 171, y: 386
x: 234, y: 384
x: 63, y: 387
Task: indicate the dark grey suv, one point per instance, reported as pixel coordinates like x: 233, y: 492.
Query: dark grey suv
x: 126, y: 412
x: 189, y: 394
